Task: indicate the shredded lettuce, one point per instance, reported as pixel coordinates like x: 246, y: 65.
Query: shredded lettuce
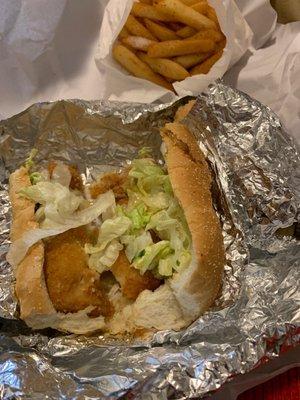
x: 165, y: 267
x: 148, y: 258
x: 29, y: 163
x: 138, y: 215
x: 145, y: 152
x: 135, y: 244
x: 102, y: 260
x: 19, y: 248
x: 151, y: 208
x: 104, y: 254
x: 183, y: 260
x: 110, y: 229
x: 35, y: 177
x: 61, y: 174
x: 58, y: 202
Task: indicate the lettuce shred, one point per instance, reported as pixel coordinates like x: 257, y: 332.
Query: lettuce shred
x: 151, y: 227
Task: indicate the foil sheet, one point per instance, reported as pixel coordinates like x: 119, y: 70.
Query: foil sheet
x: 256, y: 194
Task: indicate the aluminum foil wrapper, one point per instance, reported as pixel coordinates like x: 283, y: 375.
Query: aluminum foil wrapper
x: 256, y: 168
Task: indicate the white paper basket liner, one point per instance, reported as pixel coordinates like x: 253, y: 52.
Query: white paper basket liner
x: 119, y: 85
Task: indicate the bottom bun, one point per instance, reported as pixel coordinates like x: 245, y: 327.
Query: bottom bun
x: 158, y: 310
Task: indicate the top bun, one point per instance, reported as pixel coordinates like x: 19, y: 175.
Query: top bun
x: 197, y: 286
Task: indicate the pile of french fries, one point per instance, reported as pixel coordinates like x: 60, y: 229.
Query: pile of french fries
x: 165, y: 41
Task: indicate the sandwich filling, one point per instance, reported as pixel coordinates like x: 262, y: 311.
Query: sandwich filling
x: 129, y: 232
x: 149, y: 225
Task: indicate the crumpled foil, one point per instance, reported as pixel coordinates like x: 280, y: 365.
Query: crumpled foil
x: 256, y: 192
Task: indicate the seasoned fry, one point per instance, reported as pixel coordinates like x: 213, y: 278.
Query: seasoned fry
x: 137, y: 42
x: 211, y: 14
x: 165, y: 67
x: 200, y: 7
x: 131, y: 281
x: 173, y: 48
x: 175, y: 25
x: 161, y: 32
x: 205, y: 67
x: 212, y: 34
x: 137, y: 67
x: 137, y: 29
x: 189, y: 2
x: 124, y: 32
x: 185, y: 14
x: 151, y: 12
x: 186, y: 32
x: 221, y: 45
x: 162, y: 40
x: 170, y: 80
x: 191, y: 59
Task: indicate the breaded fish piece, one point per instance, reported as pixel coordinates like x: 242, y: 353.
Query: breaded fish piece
x: 76, y: 181
x: 131, y: 281
x: 112, y: 181
x: 72, y: 285
x: 183, y: 111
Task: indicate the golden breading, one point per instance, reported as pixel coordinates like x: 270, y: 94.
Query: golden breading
x: 76, y: 181
x: 112, y: 181
x: 71, y: 284
x: 131, y: 281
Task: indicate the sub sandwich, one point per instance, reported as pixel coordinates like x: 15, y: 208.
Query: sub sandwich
x: 139, y: 250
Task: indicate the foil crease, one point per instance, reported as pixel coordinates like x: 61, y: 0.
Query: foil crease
x: 256, y: 193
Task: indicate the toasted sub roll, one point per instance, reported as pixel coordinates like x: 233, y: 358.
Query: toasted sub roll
x: 169, y: 303
x: 36, y: 308
x: 197, y: 286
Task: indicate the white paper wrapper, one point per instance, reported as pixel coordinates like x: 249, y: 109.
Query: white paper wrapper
x: 47, y: 51
x: 119, y: 85
x: 261, y: 18
x: 272, y: 76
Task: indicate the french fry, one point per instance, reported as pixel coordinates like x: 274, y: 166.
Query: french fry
x: 200, y: 7
x: 205, y: 66
x: 221, y: 45
x: 189, y: 2
x: 124, y: 32
x: 186, y: 32
x: 137, y: 29
x: 151, y: 12
x: 211, y: 14
x: 137, y: 42
x: 137, y: 67
x: 185, y: 14
x: 212, y: 34
x: 175, y: 26
x: 170, y: 80
x: 172, y: 48
x: 161, y: 32
x: 165, y: 67
x: 192, y: 59
x: 146, y: 2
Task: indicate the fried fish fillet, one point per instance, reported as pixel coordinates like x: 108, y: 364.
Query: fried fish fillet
x: 112, y: 181
x: 72, y: 285
x: 131, y: 281
x: 76, y: 181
